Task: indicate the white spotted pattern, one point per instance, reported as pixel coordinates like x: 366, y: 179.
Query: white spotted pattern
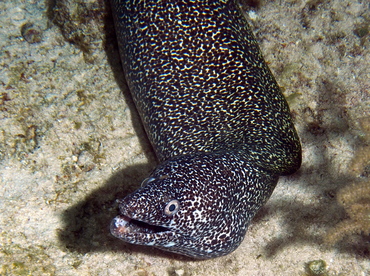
x: 215, y: 117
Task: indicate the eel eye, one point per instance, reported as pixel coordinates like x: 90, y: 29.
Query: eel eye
x: 172, y: 207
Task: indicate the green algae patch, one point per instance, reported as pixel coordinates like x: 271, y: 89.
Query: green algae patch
x: 26, y: 260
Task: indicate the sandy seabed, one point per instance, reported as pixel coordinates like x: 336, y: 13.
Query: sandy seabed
x: 71, y: 143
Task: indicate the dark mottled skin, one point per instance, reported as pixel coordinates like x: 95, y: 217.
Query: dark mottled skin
x: 215, y: 117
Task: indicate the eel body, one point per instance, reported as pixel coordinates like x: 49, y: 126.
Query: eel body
x: 217, y: 121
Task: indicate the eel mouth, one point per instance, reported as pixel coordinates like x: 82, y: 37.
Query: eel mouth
x: 123, y: 226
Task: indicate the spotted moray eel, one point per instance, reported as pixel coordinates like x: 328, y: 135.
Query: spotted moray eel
x: 217, y: 121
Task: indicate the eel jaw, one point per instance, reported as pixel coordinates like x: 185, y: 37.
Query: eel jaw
x: 139, y: 232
